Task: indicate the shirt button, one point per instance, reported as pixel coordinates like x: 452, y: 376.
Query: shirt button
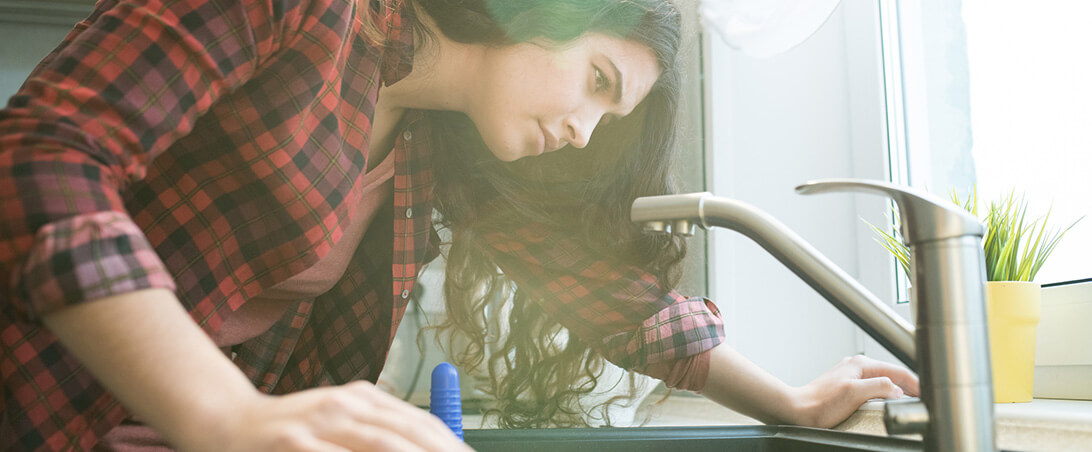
x: 409, y: 212
x: 407, y: 135
x: 405, y: 294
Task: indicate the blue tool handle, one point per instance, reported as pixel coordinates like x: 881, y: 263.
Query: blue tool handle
x: 446, y: 403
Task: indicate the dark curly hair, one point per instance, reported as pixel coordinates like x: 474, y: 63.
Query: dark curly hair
x: 537, y: 379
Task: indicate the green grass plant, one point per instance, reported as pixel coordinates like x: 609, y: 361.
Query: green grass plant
x: 1015, y: 245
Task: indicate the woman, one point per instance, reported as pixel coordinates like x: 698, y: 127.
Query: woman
x: 270, y: 169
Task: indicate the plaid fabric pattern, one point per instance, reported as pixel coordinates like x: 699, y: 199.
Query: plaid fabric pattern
x: 602, y: 301
x: 215, y: 148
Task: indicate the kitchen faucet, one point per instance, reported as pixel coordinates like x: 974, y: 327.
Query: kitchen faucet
x: 949, y: 347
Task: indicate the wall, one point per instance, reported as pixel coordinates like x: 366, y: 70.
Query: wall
x: 28, y: 31
x: 814, y: 112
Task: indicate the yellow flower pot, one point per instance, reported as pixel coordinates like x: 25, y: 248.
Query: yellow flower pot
x: 1012, y: 310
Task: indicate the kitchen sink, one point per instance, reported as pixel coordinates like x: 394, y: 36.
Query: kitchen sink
x: 757, y: 438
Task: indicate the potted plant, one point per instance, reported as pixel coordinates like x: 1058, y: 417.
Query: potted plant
x: 1015, y: 247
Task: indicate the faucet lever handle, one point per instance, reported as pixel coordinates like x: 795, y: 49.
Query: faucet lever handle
x: 925, y: 217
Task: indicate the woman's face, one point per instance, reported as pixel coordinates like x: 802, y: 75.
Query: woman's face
x: 536, y: 97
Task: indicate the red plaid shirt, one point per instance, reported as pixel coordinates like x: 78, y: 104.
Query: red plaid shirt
x: 215, y: 148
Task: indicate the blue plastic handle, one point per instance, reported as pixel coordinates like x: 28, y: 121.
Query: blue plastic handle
x: 446, y: 403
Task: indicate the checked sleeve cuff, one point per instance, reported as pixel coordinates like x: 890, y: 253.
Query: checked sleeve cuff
x: 83, y: 258
x: 681, y: 330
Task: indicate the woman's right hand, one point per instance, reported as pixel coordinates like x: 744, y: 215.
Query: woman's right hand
x: 353, y: 417
x: 144, y: 347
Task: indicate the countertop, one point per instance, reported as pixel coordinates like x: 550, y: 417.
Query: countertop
x: 1042, y: 425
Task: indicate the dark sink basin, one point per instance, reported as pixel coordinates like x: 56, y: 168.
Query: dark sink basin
x: 758, y: 438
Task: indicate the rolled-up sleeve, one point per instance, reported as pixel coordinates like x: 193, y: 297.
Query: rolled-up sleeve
x: 88, y: 257
x: 683, y: 329
x: 621, y: 310
x: 122, y: 87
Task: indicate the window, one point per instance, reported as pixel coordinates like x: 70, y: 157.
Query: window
x: 995, y: 95
x: 813, y: 112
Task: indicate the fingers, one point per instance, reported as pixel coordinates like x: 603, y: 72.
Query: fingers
x: 369, y: 438
x: 300, y: 440
x: 877, y: 388
x: 899, y: 375
x: 377, y: 408
x: 353, y: 417
x: 871, y: 368
x: 421, y: 435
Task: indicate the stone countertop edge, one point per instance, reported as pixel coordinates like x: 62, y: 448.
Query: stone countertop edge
x: 1043, y: 425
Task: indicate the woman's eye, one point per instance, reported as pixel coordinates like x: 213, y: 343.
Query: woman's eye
x: 602, y: 83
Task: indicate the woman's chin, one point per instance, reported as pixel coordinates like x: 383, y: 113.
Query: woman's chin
x: 511, y: 155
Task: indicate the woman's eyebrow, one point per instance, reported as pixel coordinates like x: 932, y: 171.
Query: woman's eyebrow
x: 617, y: 82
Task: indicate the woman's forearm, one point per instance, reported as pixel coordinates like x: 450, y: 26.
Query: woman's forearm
x: 739, y: 384
x: 144, y: 348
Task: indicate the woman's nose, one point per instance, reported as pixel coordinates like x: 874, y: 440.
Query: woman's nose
x: 578, y: 130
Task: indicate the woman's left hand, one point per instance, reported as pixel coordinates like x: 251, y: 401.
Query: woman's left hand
x: 839, y: 392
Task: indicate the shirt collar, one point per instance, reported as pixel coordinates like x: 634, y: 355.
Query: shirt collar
x: 396, y: 21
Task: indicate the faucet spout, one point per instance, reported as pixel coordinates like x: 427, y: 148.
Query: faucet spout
x: 830, y: 281
x: 949, y: 349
